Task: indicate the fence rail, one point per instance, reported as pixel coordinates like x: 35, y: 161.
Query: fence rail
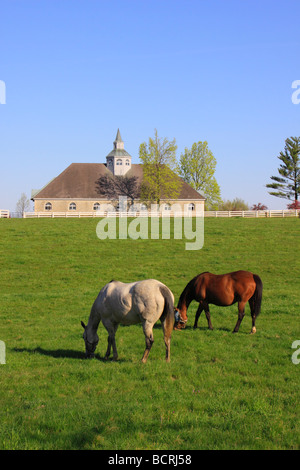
x: 247, y: 214
x: 101, y: 214
x: 255, y: 214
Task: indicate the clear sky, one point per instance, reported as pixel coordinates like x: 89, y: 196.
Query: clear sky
x: 217, y: 70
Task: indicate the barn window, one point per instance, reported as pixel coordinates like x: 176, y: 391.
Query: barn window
x: 191, y: 207
x: 72, y: 206
x: 96, y: 206
x: 48, y: 206
x: 119, y: 161
x: 127, y: 162
x: 167, y: 207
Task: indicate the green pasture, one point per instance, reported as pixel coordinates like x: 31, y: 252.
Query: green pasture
x: 220, y: 390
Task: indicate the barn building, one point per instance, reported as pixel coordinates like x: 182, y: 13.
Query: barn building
x: 77, y: 187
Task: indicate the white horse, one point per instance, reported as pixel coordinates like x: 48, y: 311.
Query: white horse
x: 137, y: 302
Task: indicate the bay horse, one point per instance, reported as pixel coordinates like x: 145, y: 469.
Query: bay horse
x: 222, y: 290
x: 137, y: 302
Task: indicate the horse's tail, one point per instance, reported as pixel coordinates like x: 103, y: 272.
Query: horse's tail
x: 257, y: 296
x: 167, y: 315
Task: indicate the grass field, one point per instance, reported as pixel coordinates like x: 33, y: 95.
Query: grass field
x: 220, y: 391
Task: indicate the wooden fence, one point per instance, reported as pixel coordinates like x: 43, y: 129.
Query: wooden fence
x: 4, y: 214
x: 247, y: 214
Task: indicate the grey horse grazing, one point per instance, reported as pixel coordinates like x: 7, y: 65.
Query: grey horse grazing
x: 137, y: 302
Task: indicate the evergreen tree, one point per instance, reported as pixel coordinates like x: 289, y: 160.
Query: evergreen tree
x: 287, y: 185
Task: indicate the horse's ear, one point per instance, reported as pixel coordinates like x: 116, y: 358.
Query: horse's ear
x: 83, y: 325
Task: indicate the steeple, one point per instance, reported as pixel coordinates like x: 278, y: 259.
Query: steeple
x: 118, y: 143
x: 118, y: 161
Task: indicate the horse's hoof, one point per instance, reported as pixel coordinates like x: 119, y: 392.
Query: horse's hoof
x: 89, y: 356
x: 253, y: 331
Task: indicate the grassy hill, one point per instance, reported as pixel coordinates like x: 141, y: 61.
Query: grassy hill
x: 220, y: 391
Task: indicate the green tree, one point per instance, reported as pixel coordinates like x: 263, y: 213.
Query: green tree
x: 160, y: 170
x: 197, y: 168
x: 287, y: 185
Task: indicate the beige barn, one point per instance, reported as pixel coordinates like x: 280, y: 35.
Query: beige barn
x: 76, y: 189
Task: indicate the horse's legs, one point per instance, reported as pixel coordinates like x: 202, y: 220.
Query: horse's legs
x: 203, y: 306
x: 241, y: 306
x: 200, y: 308
x: 207, y: 314
x: 111, y: 328
x: 167, y: 329
x: 147, y: 327
x: 108, y: 348
x: 252, y: 309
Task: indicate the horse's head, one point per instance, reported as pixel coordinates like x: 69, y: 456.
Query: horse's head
x: 179, y: 321
x: 90, y: 344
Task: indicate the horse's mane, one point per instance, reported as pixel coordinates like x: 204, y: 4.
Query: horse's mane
x: 189, y: 289
x: 185, y: 291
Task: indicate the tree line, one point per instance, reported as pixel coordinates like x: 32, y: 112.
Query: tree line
x: 163, y: 175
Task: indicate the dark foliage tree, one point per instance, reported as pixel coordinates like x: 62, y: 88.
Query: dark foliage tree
x: 259, y: 207
x: 112, y: 186
x: 294, y: 205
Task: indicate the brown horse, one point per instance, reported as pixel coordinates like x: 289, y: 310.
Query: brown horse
x: 222, y: 290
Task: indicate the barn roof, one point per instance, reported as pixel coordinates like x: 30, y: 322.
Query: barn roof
x: 79, y: 181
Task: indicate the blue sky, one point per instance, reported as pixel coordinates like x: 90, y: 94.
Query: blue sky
x: 76, y: 71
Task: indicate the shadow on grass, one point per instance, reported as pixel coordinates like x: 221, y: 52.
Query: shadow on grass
x: 58, y: 353
x: 204, y: 328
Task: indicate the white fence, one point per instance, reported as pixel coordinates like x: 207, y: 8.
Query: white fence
x: 248, y: 214
x: 254, y: 214
x: 75, y: 214
x: 4, y: 214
